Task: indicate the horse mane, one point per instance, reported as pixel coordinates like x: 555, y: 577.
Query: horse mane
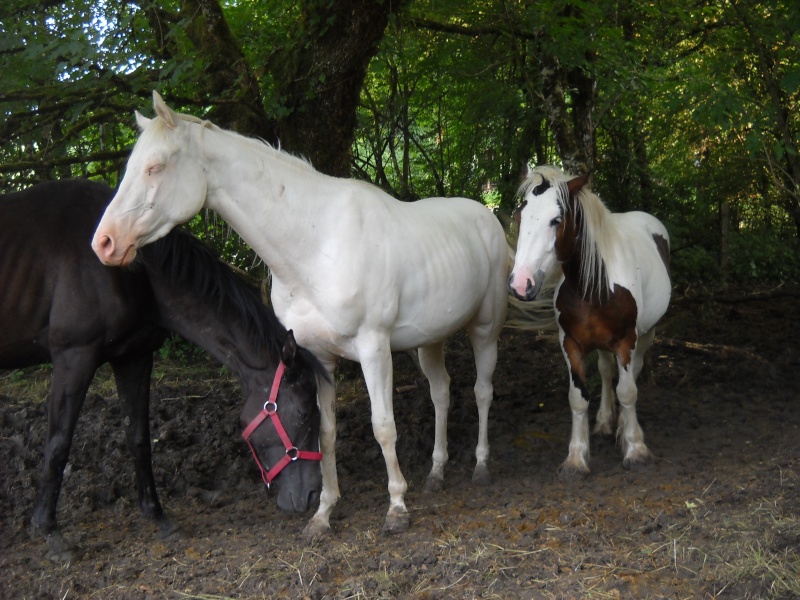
x: 255, y: 143
x: 596, y: 231
x: 183, y: 260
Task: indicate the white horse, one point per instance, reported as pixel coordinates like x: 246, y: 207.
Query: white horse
x: 355, y: 272
x: 614, y: 288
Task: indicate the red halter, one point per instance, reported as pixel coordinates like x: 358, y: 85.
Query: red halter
x: 271, y: 410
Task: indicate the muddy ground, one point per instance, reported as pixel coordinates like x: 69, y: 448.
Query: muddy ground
x: 716, y: 516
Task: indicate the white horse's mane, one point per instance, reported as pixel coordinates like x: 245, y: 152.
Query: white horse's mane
x: 597, y: 232
x: 255, y: 143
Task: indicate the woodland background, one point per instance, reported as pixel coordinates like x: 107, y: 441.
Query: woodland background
x: 684, y: 108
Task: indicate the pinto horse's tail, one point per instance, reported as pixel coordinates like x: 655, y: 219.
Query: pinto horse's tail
x: 539, y: 314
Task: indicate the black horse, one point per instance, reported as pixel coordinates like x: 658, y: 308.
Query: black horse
x: 59, y: 304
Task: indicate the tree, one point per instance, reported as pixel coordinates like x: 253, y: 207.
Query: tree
x: 75, y: 70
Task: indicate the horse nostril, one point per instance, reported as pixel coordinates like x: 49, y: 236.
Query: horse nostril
x: 105, y: 245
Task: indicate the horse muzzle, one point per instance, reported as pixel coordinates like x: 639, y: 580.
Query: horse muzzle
x: 531, y: 287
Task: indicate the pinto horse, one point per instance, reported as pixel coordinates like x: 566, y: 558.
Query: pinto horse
x: 60, y: 305
x: 356, y: 273
x: 614, y: 288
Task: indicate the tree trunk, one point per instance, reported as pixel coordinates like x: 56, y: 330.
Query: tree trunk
x: 229, y: 80
x: 321, y: 78
x: 573, y: 132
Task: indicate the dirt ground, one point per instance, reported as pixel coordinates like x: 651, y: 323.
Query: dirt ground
x: 717, y: 515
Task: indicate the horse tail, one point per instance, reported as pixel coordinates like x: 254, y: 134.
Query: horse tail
x: 539, y: 314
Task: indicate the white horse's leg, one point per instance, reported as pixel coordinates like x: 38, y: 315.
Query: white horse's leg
x: 326, y: 398
x: 376, y: 363
x: 431, y: 362
x: 606, y: 414
x: 484, y: 346
x: 629, y: 433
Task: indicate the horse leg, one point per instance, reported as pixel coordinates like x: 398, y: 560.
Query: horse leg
x: 326, y: 398
x: 629, y: 433
x: 376, y: 363
x: 577, y: 463
x: 132, y: 375
x: 484, y: 347
x: 73, y: 371
x: 606, y: 414
x: 431, y: 363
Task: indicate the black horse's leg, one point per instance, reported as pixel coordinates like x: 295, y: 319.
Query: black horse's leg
x: 133, y: 385
x: 73, y: 370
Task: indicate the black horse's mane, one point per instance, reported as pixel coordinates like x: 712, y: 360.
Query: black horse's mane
x: 182, y: 259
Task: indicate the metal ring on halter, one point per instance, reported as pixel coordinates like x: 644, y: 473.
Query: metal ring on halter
x: 274, y: 407
x: 293, y: 453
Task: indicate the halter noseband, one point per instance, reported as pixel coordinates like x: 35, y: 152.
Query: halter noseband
x: 271, y: 410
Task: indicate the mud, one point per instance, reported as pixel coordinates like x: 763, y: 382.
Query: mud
x: 717, y: 515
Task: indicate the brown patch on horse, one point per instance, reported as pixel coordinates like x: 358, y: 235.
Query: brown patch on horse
x: 589, y: 324
x: 663, y: 248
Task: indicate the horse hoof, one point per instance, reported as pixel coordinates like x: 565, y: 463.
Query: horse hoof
x: 481, y: 475
x: 434, y: 484
x: 638, y: 461
x: 396, y: 522
x: 604, y: 429
x: 569, y: 473
x: 315, y: 530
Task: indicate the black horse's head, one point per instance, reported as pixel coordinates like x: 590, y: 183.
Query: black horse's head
x: 281, y: 420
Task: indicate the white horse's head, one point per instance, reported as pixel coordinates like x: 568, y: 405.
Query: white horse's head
x: 541, y: 217
x: 164, y: 185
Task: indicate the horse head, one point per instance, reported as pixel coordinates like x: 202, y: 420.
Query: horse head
x: 164, y: 185
x: 281, y: 422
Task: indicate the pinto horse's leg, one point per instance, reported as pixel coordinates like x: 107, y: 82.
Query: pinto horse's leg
x: 577, y: 463
x: 132, y: 375
x: 606, y: 414
x: 431, y: 362
x: 73, y: 371
x: 629, y: 433
x: 326, y: 398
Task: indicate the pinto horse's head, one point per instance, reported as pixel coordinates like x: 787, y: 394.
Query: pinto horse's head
x: 281, y: 422
x: 543, y: 223
x: 164, y: 185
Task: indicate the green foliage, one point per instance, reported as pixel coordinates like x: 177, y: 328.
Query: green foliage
x: 177, y: 349
x: 696, y: 104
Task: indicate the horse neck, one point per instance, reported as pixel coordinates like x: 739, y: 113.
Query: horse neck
x: 271, y: 199
x: 199, y: 299
x: 220, y: 333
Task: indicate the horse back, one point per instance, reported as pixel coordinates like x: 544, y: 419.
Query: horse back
x: 645, y: 268
x: 56, y: 294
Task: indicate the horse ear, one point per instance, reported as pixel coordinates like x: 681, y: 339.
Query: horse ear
x: 289, y: 349
x: 525, y: 172
x: 577, y: 184
x: 164, y: 111
x: 141, y: 120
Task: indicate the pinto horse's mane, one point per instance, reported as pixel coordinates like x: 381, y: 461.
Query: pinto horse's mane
x: 597, y: 231
x: 182, y: 259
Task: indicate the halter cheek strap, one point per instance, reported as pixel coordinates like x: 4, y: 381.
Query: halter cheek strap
x: 271, y: 410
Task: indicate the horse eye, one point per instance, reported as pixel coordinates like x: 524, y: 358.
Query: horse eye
x: 155, y: 169
x: 555, y: 222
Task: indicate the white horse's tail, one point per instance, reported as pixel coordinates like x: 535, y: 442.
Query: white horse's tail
x: 539, y: 314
